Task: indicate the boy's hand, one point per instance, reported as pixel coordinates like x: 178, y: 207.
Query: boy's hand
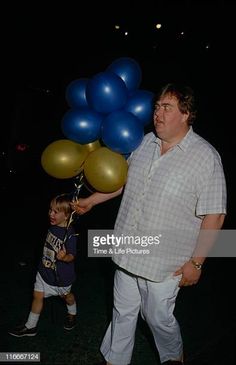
x: 61, y: 254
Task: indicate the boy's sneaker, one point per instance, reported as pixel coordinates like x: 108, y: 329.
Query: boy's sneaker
x: 21, y: 331
x: 70, y: 322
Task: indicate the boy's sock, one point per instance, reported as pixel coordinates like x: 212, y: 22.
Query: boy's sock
x: 72, y: 309
x: 32, y: 320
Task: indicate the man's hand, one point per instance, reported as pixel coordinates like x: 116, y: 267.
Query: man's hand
x: 81, y: 206
x: 190, y: 275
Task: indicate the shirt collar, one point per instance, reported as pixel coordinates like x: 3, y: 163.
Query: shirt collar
x: 183, y: 144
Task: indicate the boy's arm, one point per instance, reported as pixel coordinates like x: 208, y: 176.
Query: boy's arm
x: 65, y: 257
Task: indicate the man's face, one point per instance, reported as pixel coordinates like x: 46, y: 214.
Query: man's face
x: 169, y: 122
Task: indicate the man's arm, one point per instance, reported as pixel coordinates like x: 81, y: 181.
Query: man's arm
x: 83, y: 205
x: 210, y: 226
x: 191, y: 270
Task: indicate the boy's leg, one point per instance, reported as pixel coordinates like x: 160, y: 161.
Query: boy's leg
x: 36, y: 309
x: 69, y: 298
x: 70, y: 303
x: 29, y: 328
x: 70, y: 321
x: 37, y: 303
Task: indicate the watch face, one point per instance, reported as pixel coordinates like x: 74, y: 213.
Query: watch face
x: 197, y: 265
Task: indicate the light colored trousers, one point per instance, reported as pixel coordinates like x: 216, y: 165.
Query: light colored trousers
x: 156, y: 302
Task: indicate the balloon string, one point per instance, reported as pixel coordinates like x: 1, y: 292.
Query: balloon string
x: 78, y: 186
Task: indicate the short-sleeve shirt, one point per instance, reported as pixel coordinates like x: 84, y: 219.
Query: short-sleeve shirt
x: 169, y: 195
x: 56, y: 272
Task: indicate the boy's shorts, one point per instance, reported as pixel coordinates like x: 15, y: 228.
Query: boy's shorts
x: 49, y: 290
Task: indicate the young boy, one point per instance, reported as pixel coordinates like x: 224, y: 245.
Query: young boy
x: 56, y: 271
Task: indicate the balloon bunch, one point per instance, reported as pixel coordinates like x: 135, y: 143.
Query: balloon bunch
x: 108, y: 113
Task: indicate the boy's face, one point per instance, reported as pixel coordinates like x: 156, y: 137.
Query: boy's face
x: 57, y: 217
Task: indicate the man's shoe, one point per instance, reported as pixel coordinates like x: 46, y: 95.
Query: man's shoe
x: 70, y: 322
x: 22, y: 331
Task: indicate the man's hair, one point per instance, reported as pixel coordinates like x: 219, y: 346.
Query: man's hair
x: 185, y: 96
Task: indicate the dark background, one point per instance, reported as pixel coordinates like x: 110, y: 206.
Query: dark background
x: 45, y: 46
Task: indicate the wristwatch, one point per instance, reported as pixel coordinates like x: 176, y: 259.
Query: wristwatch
x: 197, y: 265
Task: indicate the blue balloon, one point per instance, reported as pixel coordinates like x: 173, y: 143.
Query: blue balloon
x: 76, y: 93
x: 122, y: 132
x: 128, y: 70
x: 106, y: 92
x: 82, y: 125
x: 140, y: 103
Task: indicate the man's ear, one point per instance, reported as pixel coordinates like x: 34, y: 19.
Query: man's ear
x: 186, y: 115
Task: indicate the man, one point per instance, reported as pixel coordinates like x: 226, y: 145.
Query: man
x: 175, y: 188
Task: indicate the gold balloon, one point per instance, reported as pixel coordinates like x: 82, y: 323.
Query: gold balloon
x: 64, y: 158
x: 105, y: 170
x: 92, y: 146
